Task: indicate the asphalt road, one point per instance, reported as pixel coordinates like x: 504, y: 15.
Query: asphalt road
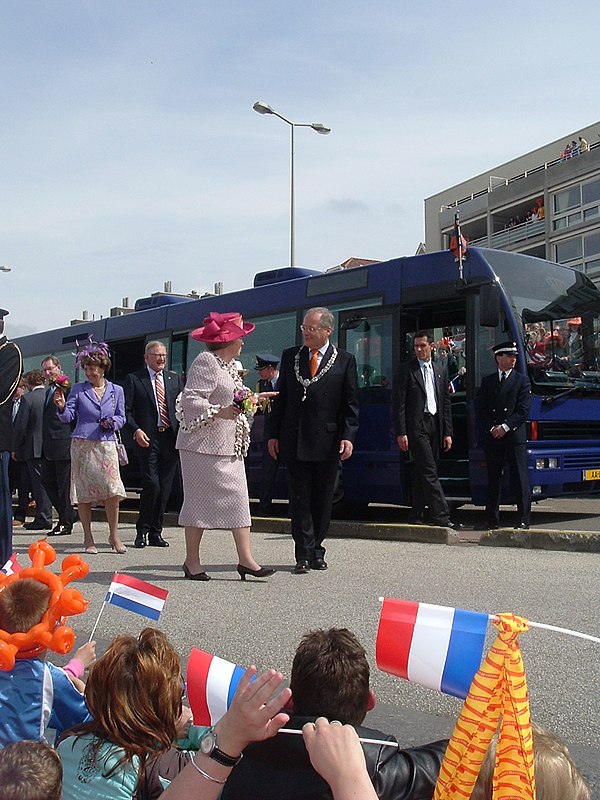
x: 261, y: 621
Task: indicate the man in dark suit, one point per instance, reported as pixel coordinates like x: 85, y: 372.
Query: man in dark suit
x: 503, y: 405
x: 424, y: 427
x: 11, y: 367
x: 28, y: 446
x: 268, y: 374
x: 150, y: 396
x: 313, y: 424
x: 55, y: 471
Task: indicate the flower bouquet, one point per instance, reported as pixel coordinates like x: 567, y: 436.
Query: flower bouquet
x: 246, y: 401
x: 61, y: 382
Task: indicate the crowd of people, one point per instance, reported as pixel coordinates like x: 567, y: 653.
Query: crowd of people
x: 574, y: 148
x: 126, y: 733
x: 534, y: 214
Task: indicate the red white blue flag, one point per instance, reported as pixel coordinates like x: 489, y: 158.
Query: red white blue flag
x: 12, y: 566
x: 436, y: 646
x: 136, y: 596
x: 211, y: 684
x: 458, y: 243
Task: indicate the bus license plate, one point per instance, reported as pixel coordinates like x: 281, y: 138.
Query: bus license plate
x: 591, y: 474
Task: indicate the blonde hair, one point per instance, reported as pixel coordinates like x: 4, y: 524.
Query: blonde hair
x: 556, y: 775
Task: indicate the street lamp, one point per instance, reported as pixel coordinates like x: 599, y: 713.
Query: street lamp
x: 263, y: 108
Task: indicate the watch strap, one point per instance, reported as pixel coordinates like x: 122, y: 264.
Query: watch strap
x: 222, y: 758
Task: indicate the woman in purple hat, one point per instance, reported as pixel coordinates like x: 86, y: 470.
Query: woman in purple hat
x: 213, y: 438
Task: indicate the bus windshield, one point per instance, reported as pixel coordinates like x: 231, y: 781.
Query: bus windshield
x: 560, y: 313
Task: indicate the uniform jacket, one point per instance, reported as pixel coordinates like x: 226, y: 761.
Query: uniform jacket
x: 411, y: 397
x: 11, y: 367
x: 209, y: 388
x: 140, y: 401
x: 28, y: 425
x: 311, y: 430
x: 509, y: 405
x: 280, y: 768
x: 56, y: 435
x: 86, y: 410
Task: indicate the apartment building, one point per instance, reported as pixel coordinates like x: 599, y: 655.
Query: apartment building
x: 545, y: 203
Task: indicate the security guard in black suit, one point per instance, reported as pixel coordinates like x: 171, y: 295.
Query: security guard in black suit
x: 266, y: 366
x: 503, y: 405
x: 11, y: 368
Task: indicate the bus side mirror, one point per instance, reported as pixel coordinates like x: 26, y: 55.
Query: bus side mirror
x: 489, y: 305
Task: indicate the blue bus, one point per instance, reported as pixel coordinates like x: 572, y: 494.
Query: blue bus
x: 551, y: 311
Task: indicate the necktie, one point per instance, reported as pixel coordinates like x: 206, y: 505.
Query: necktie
x: 430, y: 390
x: 502, y: 379
x: 162, y: 403
x: 314, y: 364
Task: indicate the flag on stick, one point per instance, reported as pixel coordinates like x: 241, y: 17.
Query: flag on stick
x: 136, y: 596
x: 12, y: 566
x: 436, y: 646
x: 211, y: 684
x: 458, y: 243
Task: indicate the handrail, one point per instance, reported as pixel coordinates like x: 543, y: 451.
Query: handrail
x: 518, y: 177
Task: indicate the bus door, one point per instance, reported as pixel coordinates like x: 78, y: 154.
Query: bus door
x: 446, y: 322
x: 373, y: 472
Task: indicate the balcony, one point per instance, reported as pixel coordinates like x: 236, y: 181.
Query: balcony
x: 518, y: 233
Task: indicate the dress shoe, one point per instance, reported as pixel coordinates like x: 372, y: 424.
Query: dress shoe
x: 61, y: 530
x: 36, y: 526
x: 522, y: 526
x: 318, y: 563
x: 195, y: 576
x: 454, y: 526
x: 261, y: 572
x: 491, y: 526
x: 140, y: 541
x: 301, y: 568
x: 156, y: 540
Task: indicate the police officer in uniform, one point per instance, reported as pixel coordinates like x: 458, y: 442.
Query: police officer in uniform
x: 503, y: 405
x: 266, y: 366
x: 11, y: 368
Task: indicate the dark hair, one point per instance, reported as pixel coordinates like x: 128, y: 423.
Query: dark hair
x: 98, y: 360
x: 424, y: 335
x: 30, y: 771
x: 53, y: 359
x: 133, y: 694
x: 330, y: 676
x: 23, y: 604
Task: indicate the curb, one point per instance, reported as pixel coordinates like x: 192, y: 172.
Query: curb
x: 574, y: 541
x: 535, y: 539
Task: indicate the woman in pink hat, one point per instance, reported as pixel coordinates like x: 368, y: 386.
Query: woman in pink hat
x: 213, y: 438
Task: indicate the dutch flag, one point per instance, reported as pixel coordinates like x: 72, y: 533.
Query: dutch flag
x: 436, y: 646
x: 211, y: 684
x: 136, y: 596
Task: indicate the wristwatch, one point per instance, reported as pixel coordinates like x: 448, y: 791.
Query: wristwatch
x: 208, y: 746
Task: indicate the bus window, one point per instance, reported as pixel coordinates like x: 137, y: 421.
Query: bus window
x: 369, y: 339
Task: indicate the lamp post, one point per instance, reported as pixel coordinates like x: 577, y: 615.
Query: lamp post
x: 263, y: 108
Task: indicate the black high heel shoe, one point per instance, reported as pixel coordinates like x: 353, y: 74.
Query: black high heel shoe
x: 198, y: 576
x: 263, y: 572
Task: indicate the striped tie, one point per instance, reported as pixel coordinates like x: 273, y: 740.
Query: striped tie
x: 162, y: 403
x: 314, y: 363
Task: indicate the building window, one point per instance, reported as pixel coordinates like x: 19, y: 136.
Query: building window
x: 568, y: 250
x: 570, y: 198
x: 577, y: 204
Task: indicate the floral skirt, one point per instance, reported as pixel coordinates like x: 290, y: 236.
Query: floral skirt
x: 95, y: 472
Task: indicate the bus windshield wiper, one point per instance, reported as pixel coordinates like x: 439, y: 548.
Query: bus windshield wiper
x: 578, y: 387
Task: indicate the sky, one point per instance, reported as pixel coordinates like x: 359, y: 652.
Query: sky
x: 130, y: 154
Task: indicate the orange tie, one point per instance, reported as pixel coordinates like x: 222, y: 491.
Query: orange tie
x: 314, y: 364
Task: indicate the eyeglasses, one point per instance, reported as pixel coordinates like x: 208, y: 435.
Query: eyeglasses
x: 310, y: 328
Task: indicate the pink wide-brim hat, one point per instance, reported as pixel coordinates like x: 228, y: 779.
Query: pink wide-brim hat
x: 222, y: 328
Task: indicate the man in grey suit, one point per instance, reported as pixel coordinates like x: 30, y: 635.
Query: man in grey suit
x: 424, y: 427
x: 28, y: 438
x: 150, y: 396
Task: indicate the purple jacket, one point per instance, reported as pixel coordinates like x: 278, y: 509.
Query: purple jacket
x: 83, y: 406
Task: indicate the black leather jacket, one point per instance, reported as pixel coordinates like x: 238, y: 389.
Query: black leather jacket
x: 279, y: 769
